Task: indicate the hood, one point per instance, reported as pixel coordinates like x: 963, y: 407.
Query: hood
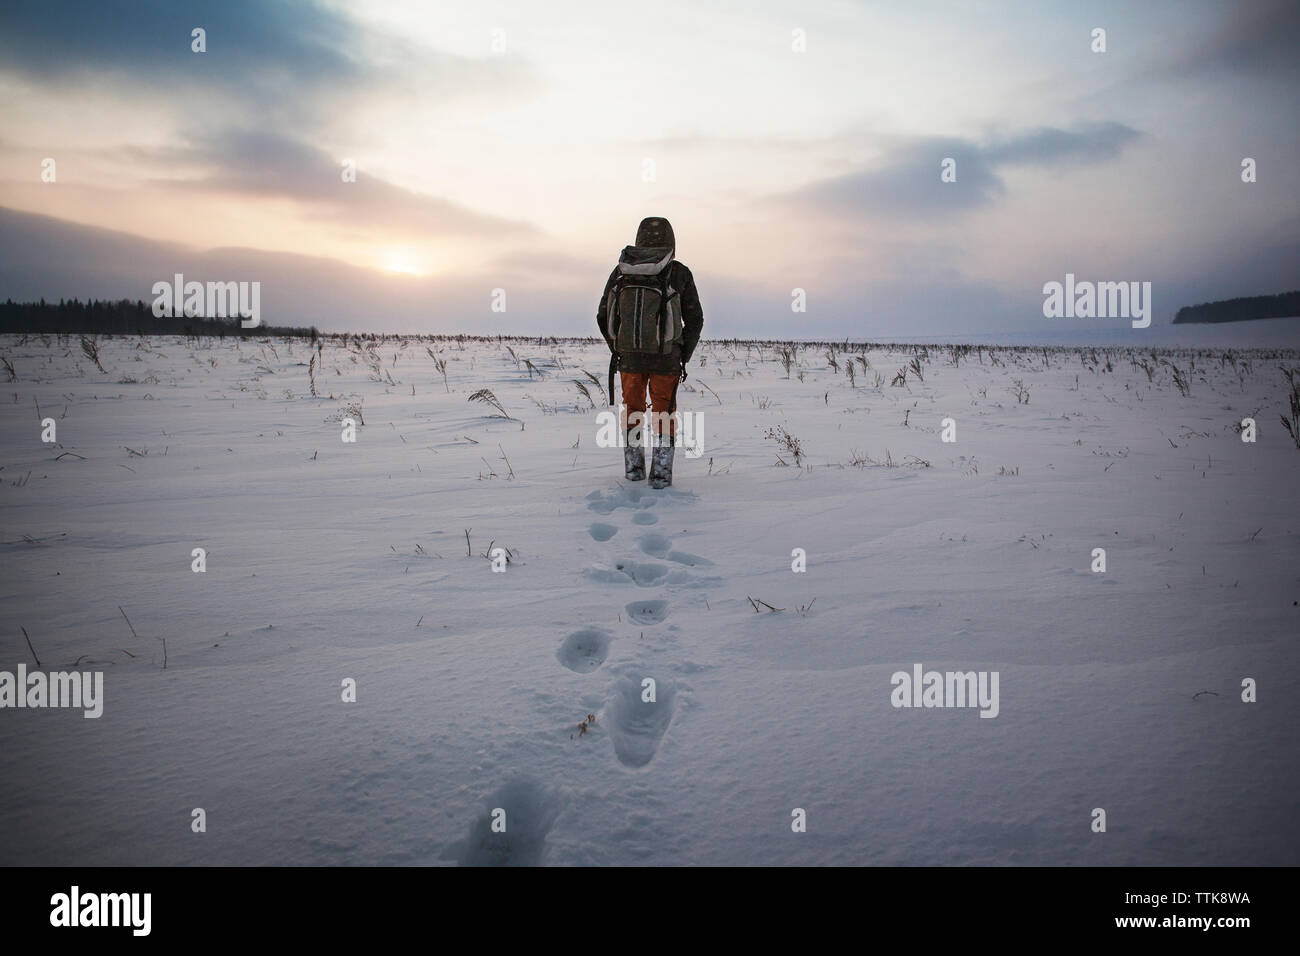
x: 657, y: 232
x: 654, y: 249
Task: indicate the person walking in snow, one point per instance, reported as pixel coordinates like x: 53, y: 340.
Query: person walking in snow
x: 650, y: 317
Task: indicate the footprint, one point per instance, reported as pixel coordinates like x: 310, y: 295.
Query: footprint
x: 530, y: 812
x: 621, y: 498
x: 601, y: 531
x: 645, y: 517
x: 649, y: 574
x: 655, y: 544
x: 637, y: 727
x: 583, y: 651
x: 645, y: 573
x: 647, y: 612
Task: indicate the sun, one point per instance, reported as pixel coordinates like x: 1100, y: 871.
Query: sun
x: 403, y: 261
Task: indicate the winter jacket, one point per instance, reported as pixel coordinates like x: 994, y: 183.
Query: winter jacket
x: 658, y: 233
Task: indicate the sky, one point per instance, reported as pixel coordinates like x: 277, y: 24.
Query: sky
x: 515, y: 146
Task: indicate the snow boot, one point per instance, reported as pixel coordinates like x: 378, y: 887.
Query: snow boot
x: 634, y: 457
x: 661, y: 463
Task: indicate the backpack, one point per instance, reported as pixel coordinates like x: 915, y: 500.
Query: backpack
x: 645, y: 313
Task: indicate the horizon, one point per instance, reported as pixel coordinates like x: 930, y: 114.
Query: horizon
x: 1241, y: 335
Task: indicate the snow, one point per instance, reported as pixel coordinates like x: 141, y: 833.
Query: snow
x: 328, y: 560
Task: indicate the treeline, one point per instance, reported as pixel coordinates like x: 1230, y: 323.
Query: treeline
x: 123, y: 317
x: 1280, y: 306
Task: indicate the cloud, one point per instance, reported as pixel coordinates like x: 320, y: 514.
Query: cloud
x: 247, y: 41
x: 907, y: 183
x: 1086, y: 144
x: 268, y: 165
x: 291, y: 61
x: 1258, y: 39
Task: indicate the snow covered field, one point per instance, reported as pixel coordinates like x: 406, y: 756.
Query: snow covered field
x: 328, y: 560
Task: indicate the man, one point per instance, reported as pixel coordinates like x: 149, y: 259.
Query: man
x: 650, y: 317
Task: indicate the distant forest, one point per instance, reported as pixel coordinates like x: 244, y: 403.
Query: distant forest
x: 122, y: 317
x: 1281, y: 306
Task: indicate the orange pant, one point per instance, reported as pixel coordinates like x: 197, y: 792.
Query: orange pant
x: 663, y: 391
